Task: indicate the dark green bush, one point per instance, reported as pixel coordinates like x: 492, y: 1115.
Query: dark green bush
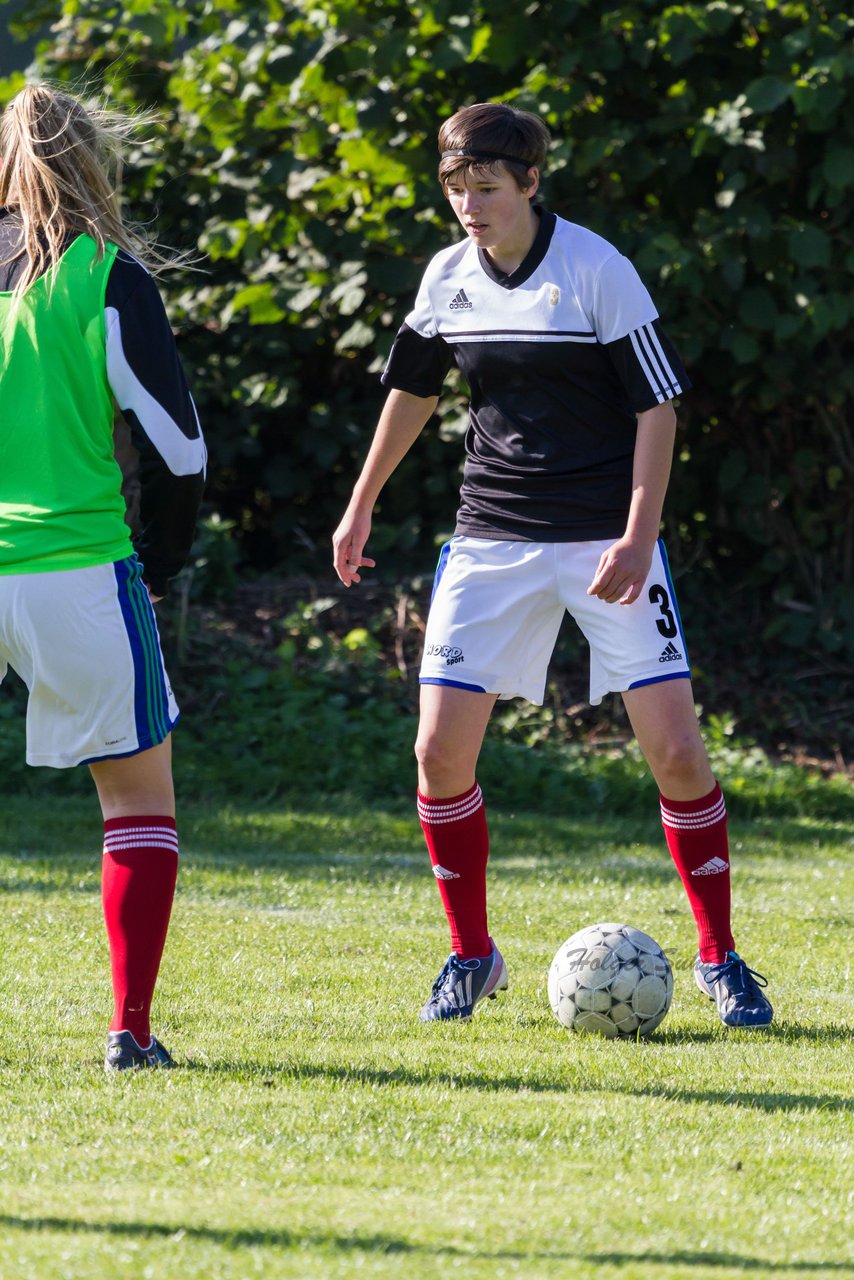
x: 712, y: 142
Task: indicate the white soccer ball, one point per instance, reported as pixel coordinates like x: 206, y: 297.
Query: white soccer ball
x: 610, y: 979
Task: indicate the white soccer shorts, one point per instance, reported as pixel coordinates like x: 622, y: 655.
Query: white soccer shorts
x: 497, y: 608
x: 85, y: 643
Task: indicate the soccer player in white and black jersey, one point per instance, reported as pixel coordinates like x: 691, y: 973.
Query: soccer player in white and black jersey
x: 568, y: 456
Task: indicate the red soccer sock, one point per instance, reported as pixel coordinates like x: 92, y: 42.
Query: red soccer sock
x: 697, y: 839
x: 458, y: 841
x: 137, y: 887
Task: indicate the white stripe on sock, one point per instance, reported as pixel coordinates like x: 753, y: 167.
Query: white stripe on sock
x: 121, y: 838
x: 439, y: 814
x: 694, y: 821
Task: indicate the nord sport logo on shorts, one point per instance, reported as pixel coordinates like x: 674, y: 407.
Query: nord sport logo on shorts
x: 450, y: 653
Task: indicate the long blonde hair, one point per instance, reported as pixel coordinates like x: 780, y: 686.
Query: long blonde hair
x: 60, y: 169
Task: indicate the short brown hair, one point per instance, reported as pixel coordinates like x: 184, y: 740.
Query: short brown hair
x: 520, y: 139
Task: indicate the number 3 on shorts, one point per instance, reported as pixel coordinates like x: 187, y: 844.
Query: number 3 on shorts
x: 666, y: 623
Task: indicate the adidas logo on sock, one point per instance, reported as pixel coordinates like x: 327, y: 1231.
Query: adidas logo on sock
x: 713, y: 867
x: 442, y: 873
x: 670, y: 653
x: 461, y: 302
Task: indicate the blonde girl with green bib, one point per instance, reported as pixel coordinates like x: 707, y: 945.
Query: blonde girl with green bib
x: 83, y: 329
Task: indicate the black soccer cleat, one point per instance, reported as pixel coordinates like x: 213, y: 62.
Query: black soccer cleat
x: 124, y: 1054
x: 735, y: 990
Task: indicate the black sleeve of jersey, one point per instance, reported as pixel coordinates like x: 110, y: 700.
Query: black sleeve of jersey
x: 151, y: 390
x: 417, y: 365
x: 648, y: 366
x: 168, y: 509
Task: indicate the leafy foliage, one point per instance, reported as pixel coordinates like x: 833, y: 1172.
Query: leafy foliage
x: 710, y: 141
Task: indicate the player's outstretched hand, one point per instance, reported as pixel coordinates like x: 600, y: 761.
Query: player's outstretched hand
x: 623, y: 569
x: 348, y: 542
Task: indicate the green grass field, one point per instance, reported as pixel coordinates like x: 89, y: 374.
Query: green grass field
x: 316, y: 1129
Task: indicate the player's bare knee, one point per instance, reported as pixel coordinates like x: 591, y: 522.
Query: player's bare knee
x: 438, y: 763
x: 432, y: 753
x: 680, y: 760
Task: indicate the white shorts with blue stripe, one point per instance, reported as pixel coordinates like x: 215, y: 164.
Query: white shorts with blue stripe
x: 85, y: 643
x: 497, y: 608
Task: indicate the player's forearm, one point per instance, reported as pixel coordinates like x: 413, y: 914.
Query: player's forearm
x: 402, y: 420
x: 651, y: 472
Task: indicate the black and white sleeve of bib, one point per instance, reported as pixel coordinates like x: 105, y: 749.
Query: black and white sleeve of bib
x: 148, y: 382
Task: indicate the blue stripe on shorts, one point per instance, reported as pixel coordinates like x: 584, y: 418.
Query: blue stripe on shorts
x: 453, y: 684
x: 151, y: 703
x: 440, y: 568
x: 673, y: 599
x: 672, y: 675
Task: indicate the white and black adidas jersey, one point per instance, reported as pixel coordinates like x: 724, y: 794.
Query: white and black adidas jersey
x: 560, y: 356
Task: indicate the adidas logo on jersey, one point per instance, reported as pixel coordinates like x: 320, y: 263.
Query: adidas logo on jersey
x: 670, y: 653
x: 713, y: 867
x: 442, y: 873
x: 461, y: 302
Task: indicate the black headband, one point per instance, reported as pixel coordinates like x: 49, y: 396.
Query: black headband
x: 463, y: 153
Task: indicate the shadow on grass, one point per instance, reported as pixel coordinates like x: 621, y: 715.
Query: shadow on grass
x: 697, y: 1259
x: 380, y: 1243
x: 386, y: 847
x: 792, y: 1032
x: 51, y: 885
x: 394, y: 842
x: 330, y: 822
x: 372, y: 1077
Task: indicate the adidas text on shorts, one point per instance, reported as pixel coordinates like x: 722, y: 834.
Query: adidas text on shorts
x: 85, y: 643
x: 498, y: 605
